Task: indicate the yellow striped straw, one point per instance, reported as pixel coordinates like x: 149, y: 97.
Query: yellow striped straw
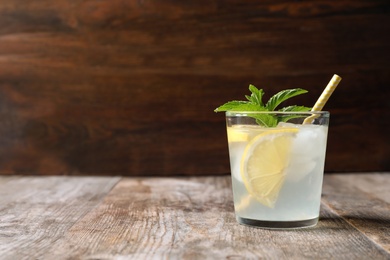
x: 324, y: 97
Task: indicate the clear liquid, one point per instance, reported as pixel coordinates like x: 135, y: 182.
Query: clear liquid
x: 300, y: 195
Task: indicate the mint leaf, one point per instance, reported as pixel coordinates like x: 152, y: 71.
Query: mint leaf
x: 266, y: 120
x: 254, y: 103
x: 283, y: 95
x: 256, y: 96
x: 286, y: 118
x: 239, y: 106
x: 295, y: 109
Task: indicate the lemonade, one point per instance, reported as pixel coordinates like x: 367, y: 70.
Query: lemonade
x: 277, y: 171
x: 277, y: 157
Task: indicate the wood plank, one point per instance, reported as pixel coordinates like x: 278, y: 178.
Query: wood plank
x: 182, y: 218
x: 37, y: 211
x: 129, y: 87
x: 375, y: 184
x: 363, y: 200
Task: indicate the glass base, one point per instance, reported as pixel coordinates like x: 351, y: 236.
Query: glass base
x: 277, y: 224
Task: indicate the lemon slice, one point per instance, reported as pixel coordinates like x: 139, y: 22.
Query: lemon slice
x: 263, y: 164
x: 236, y: 135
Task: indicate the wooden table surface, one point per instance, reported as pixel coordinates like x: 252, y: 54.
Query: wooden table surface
x: 63, y: 217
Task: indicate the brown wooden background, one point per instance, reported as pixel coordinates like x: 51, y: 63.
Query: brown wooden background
x: 129, y: 87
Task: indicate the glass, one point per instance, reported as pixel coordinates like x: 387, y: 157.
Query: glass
x: 277, y: 170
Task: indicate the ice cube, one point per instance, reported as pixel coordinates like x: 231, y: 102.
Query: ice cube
x: 284, y: 124
x: 307, y: 149
x: 298, y: 168
x: 236, y: 149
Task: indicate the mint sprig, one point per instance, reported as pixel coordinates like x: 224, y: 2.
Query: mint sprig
x: 255, y: 103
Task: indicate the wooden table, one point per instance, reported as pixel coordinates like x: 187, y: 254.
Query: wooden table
x: 62, y: 217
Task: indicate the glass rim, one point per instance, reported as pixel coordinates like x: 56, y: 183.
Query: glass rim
x: 244, y: 113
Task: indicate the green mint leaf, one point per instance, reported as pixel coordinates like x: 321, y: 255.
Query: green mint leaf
x: 295, y: 109
x: 281, y: 96
x: 266, y: 120
x: 286, y: 118
x: 256, y: 96
x: 254, y: 103
x: 239, y: 106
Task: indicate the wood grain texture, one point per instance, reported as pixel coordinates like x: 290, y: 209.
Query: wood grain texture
x: 179, y: 218
x: 364, y: 202
x: 186, y: 218
x: 128, y: 87
x: 36, y: 212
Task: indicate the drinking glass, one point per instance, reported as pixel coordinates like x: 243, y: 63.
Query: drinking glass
x: 277, y: 166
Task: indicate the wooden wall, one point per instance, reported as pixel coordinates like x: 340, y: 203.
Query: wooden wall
x: 129, y: 87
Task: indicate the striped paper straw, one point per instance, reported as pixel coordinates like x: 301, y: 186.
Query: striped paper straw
x: 324, y: 97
